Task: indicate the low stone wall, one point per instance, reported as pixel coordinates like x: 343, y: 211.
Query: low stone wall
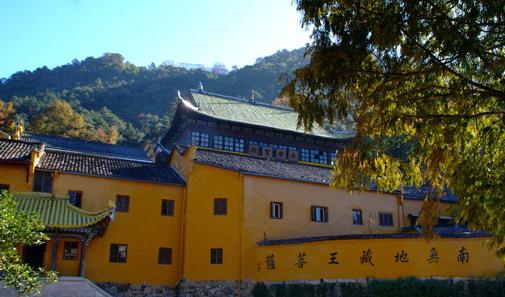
x: 128, y: 290
x: 183, y: 289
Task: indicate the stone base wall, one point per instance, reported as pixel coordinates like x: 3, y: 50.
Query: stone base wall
x: 183, y: 289
x: 128, y: 290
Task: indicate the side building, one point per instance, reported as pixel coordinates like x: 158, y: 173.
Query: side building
x: 103, y: 205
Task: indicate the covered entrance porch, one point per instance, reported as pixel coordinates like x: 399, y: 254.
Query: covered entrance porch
x: 71, y: 229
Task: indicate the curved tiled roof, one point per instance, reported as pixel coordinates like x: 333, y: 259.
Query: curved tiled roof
x: 289, y: 170
x: 16, y: 150
x: 108, y: 167
x: 87, y: 147
x: 256, y: 113
x: 259, y: 166
x: 57, y: 212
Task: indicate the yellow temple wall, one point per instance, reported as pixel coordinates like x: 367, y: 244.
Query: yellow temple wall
x: 317, y: 258
x: 297, y: 198
x: 142, y: 228
x: 15, y: 175
x: 204, y: 230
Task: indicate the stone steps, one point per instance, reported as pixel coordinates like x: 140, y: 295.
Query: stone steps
x: 65, y: 287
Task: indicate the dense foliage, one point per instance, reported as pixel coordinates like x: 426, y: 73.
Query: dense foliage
x: 427, y: 72
x: 119, y: 101
x: 407, y: 287
x: 18, y: 228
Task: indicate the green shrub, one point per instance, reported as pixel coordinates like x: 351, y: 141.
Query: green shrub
x: 486, y: 287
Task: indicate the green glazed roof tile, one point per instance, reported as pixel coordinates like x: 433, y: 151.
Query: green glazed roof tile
x: 255, y: 113
x: 57, y: 212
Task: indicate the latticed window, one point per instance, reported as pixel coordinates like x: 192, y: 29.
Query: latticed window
x: 228, y: 143
x: 200, y: 139
x: 304, y: 155
x: 118, y: 253
x: 70, y: 250
x: 218, y: 142
x: 239, y: 145
x: 318, y: 157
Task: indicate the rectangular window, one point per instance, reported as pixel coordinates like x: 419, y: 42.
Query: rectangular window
x: 70, y: 250
x: 304, y: 155
x: 320, y: 214
x: 167, y: 207
x: 216, y: 256
x: 239, y: 145
x: 75, y: 198
x: 220, y: 206
x: 43, y: 182
x: 386, y: 219
x: 122, y: 203
x: 165, y: 256
x: 218, y: 142
x: 318, y: 157
x: 276, y: 210
x: 118, y: 253
x: 4, y: 187
x: 357, y: 218
x: 228, y: 143
x: 200, y: 139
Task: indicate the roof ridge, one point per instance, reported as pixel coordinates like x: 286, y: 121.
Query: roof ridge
x: 115, y: 157
x: 244, y: 100
x: 21, y: 141
x: 81, y: 140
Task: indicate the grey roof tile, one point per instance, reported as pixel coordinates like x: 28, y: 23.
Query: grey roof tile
x: 87, y: 147
x: 109, y: 167
x: 16, y: 150
x: 288, y: 170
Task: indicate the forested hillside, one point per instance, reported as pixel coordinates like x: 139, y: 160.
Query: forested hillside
x: 111, y: 100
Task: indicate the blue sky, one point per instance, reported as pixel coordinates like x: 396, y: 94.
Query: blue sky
x: 235, y: 32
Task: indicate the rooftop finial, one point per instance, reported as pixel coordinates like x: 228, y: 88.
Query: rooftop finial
x: 201, y: 86
x: 179, y: 95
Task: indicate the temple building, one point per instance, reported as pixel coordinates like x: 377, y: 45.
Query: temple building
x: 238, y: 193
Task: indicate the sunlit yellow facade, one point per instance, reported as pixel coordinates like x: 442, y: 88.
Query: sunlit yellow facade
x: 234, y: 214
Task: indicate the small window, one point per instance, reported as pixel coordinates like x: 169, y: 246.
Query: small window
x: 43, y: 182
x: 386, y: 219
x: 165, y: 256
x: 75, y: 198
x: 357, y: 218
x: 216, y: 256
x: 118, y: 253
x: 218, y: 142
x: 70, y: 250
x: 122, y: 203
x: 167, y: 207
x: 220, y: 206
x: 4, y: 187
x: 320, y: 214
x: 276, y: 210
